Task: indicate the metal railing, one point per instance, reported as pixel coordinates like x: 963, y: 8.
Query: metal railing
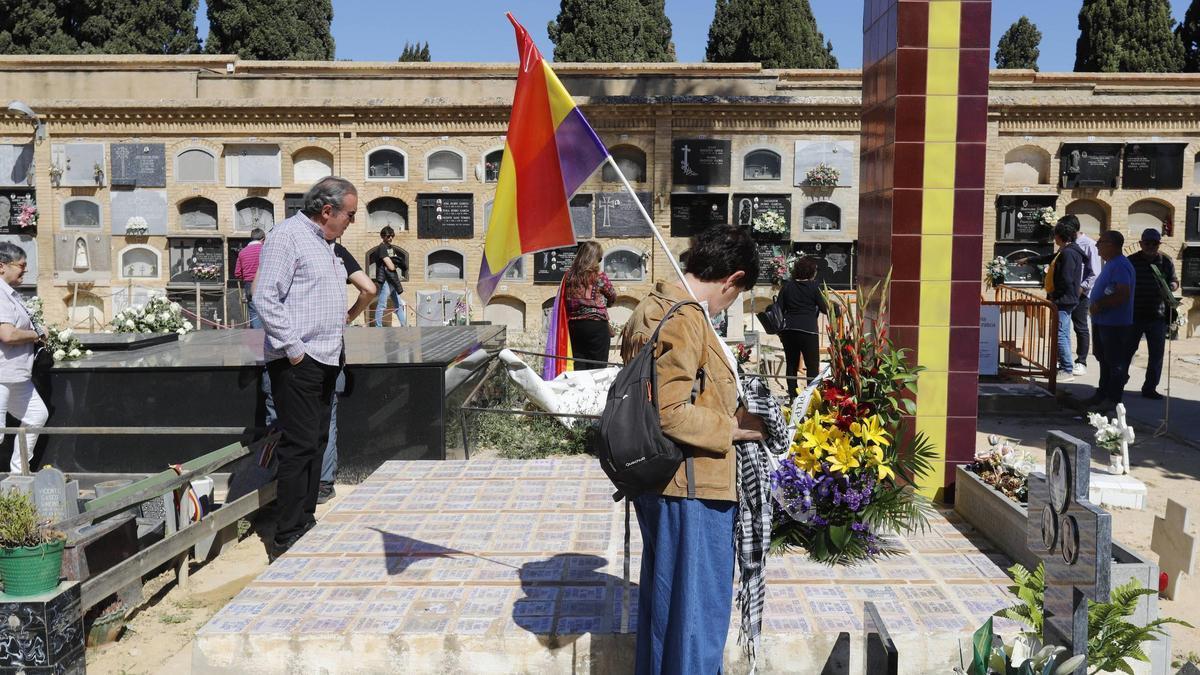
x: 1028, y: 334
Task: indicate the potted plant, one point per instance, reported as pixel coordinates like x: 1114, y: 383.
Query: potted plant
x: 30, y: 552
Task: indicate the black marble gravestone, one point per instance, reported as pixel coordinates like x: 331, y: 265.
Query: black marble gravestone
x: 12, y: 201
x: 747, y: 207
x: 1073, y: 537
x: 768, y: 257
x: 187, y: 253
x: 43, y: 633
x: 445, y: 216
x: 700, y: 161
x: 692, y: 214
x: 1152, y: 165
x: 880, y: 656
x: 550, y: 266
x: 836, y: 262
x: 618, y: 216
x: 1016, y: 274
x: 1019, y: 217
x: 1189, y: 269
x: 1092, y: 165
x: 581, y: 216
x: 138, y: 165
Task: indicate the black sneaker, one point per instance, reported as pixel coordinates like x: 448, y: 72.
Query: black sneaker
x: 277, y: 548
x: 1152, y: 395
x: 325, y: 492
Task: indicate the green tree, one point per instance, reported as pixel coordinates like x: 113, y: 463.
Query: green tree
x: 775, y: 33
x: 271, y: 30
x: 613, y: 31
x: 98, y: 27
x: 1019, y: 46
x: 415, y: 52
x: 1128, y: 36
x: 1189, y: 34
x: 35, y: 27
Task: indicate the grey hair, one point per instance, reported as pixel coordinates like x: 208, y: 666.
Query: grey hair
x: 257, y: 234
x: 10, y: 252
x: 331, y: 190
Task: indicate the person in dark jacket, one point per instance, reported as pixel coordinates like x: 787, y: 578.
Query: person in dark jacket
x: 1063, y: 279
x: 391, y: 266
x: 802, y: 302
x: 1151, y: 316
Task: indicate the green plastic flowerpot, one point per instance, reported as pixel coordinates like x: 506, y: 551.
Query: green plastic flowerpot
x: 31, y: 570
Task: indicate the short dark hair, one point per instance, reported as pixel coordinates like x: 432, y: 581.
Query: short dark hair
x: 1065, y: 231
x: 257, y: 234
x: 722, y: 250
x: 1071, y: 221
x: 387, y: 231
x: 1115, y: 237
x: 805, y: 267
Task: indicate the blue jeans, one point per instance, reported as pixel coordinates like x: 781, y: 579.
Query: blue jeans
x: 685, y: 593
x: 1114, y: 350
x: 1156, y: 343
x: 252, y: 314
x: 1066, y: 362
x: 330, y: 458
x: 386, y: 290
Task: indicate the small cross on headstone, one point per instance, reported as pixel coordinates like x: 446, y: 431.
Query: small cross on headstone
x: 1176, y: 548
x: 1073, y: 537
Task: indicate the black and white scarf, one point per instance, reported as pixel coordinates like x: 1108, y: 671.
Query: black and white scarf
x: 752, y: 529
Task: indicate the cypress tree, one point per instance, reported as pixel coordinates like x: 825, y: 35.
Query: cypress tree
x: 98, y: 27
x: 1189, y: 34
x: 35, y: 27
x: 613, y: 31
x: 271, y: 30
x: 775, y: 33
x: 1019, y: 46
x: 414, y: 52
x: 1128, y: 36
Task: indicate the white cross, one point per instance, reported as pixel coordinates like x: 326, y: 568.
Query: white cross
x: 685, y: 165
x: 1127, y: 437
x: 1176, y: 548
x: 607, y: 203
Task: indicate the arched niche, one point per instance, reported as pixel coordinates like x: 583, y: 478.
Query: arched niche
x: 1093, y: 216
x: 822, y: 217
x: 198, y: 213
x: 195, y: 165
x: 387, y: 163
x: 139, y: 261
x: 516, y: 271
x: 444, y: 165
x: 310, y: 165
x: 1148, y: 213
x: 445, y: 264
x: 81, y: 213
x: 255, y: 212
x: 1027, y: 165
x: 491, y: 166
x: 632, y: 161
x: 506, y: 311
x: 403, y: 270
x: 762, y: 164
x: 624, y: 264
x: 622, y: 309
x: 387, y: 212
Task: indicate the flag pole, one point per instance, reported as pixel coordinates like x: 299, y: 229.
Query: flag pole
x: 649, y: 221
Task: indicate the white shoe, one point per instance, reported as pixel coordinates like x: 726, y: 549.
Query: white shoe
x: 1065, y: 376
x: 1080, y: 369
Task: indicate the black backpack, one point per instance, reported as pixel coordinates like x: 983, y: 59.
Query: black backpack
x: 633, y: 451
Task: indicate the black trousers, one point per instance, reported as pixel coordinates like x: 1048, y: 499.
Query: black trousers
x: 796, y: 344
x: 1083, y: 330
x: 589, y: 340
x: 1114, y: 351
x: 302, y: 396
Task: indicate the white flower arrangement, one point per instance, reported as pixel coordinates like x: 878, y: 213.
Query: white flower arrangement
x: 34, y: 305
x: 822, y: 175
x: 995, y: 269
x: 63, y: 345
x: 1048, y: 216
x: 1108, y: 436
x: 206, y: 272
x: 137, y: 225
x: 769, y: 222
x: 158, y: 315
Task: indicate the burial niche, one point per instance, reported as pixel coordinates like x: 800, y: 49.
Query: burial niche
x: 1092, y: 215
x: 1149, y: 213
x: 623, y: 264
x: 387, y: 212
x: 444, y: 264
x: 198, y: 213
x: 762, y: 165
x: 140, y: 262
x: 506, y: 311
x: 310, y: 165
x: 255, y: 212
x: 81, y: 213
x: 491, y: 168
x: 387, y: 164
x: 632, y: 162
x: 822, y: 217
x: 196, y: 165
x: 1027, y: 165
x: 444, y: 165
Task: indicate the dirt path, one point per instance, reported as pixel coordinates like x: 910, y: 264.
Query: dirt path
x: 1168, y: 468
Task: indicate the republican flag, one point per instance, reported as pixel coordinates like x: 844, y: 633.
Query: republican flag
x: 558, y: 340
x: 549, y: 151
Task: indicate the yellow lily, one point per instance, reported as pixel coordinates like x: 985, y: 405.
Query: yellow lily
x: 870, y: 432
x: 877, y: 462
x: 806, y: 460
x: 843, y: 458
x: 813, y: 436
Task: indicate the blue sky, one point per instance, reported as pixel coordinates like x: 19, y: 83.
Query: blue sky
x: 475, y: 30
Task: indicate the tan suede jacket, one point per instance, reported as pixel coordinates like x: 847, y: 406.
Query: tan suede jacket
x: 703, y: 429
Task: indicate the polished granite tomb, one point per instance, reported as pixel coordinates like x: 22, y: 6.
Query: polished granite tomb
x: 402, y: 385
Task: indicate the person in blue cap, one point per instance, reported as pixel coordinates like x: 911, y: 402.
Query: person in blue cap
x: 1151, y: 312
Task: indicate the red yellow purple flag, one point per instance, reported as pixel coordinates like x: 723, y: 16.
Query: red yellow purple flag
x: 550, y: 150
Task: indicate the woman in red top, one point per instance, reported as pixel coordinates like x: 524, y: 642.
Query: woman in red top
x: 588, y: 294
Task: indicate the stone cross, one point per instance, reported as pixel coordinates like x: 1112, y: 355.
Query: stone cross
x: 50, y: 494
x: 685, y: 165
x: 1127, y: 437
x: 608, y: 203
x: 1073, y: 537
x: 1176, y: 548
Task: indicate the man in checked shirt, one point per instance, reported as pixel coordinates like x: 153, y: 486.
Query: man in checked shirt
x: 300, y: 293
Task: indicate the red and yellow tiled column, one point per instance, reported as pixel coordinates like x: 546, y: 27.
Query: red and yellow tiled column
x: 925, y: 86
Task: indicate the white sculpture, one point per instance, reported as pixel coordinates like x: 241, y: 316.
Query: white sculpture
x: 1126, y: 438
x: 81, y: 256
x: 1114, y: 435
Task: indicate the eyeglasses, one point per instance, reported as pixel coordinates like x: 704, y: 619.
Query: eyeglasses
x: 22, y: 265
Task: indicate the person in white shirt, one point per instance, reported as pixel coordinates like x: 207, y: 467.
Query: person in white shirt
x: 19, y: 340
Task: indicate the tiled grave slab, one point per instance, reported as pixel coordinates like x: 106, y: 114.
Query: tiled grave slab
x: 517, y: 566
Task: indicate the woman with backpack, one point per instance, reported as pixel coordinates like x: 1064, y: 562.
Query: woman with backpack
x: 686, y: 586
x: 802, y: 302
x: 588, y: 293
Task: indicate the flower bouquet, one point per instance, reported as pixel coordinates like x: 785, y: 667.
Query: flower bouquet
x: 206, y: 272
x: 1047, y: 216
x: 1004, y: 467
x: 822, y: 175
x: 742, y: 352
x: 995, y: 271
x: 770, y: 223
x: 779, y: 269
x: 158, y: 315
x: 136, y: 226
x: 63, y: 345
x: 847, y: 480
x: 1110, y: 434
x: 28, y: 217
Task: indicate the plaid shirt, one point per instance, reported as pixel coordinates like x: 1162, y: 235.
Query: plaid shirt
x: 300, y: 293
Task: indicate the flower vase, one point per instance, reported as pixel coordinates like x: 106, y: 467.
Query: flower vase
x: 1116, y: 464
